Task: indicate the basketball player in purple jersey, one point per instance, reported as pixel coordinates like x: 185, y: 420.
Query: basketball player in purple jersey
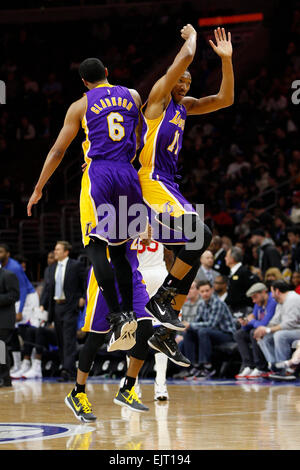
x: 109, y: 116
x: 164, y: 116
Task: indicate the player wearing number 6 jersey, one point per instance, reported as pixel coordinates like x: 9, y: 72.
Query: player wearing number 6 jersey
x: 109, y: 116
x: 164, y: 115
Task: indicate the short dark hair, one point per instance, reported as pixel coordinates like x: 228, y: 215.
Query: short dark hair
x: 92, y: 70
x: 5, y: 246
x: 295, y: 229
x: 67, y: 246
x: 204, y: 283
x: 281, y: 285
x: 224, y: 278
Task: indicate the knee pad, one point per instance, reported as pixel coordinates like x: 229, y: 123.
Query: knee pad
x: 88, y: 353
x: 143, y: 333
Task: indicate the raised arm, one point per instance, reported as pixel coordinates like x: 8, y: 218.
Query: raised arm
x: 225, y: 96
x: 160, y: 93
x: 67, y: 134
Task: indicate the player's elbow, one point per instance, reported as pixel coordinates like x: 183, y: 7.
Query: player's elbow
x: 226, y: 101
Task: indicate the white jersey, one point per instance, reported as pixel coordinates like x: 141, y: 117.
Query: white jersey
x: 151, y: 264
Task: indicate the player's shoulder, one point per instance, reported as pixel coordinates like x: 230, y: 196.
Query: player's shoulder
x: 78, y: 107
x: 136, y: 96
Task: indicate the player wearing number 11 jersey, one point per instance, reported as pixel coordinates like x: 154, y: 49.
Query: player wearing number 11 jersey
x: 164, y: 115
x: 109, y: 116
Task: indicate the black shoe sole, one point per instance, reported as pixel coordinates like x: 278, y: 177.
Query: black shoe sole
x: 178, y: 362
x: 171, y: 326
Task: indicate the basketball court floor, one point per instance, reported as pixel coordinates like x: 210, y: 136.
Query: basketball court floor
x: 209, y: 415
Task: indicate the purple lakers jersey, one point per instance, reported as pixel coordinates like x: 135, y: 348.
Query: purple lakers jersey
x: 109, y: 123
x: 162, y: 140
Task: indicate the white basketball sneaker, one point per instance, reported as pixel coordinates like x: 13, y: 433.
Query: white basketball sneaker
x: 35, y: 372
x: 25, y: 366
x: 160, y: 392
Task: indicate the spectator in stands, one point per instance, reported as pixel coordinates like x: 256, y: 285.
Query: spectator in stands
x: 205, y: 272
x: 268, y: 255
x: 254, y: 364
x: 221, y: 287
x: 282, y: 223
x: 296, y: 281
x: 64, y: 295
x: 294, y: 212
x: 240, y: 280
x: 9, y: 294
x: 276, y: 338
x: 271, y: 275
x: 29, y: 300
x: 216, y: 247
x: 26, y: 130
x: 213, y: 325
x: 293, y: 234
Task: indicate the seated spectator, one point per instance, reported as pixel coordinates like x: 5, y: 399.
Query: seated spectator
x: 240, y: 280
x: 294, y: 212
x: 188, y: 312
x: 277, y: 337
x: 293, y: 234
x: 221, y: 287
x: 296, y: 281
x: 268, y: 255
x: 254, y: 364
x: 213, y: 325
x: 205, y: 272
x: 271, y: 275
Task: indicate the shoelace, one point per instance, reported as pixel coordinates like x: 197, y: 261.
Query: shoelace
x: 133, y: 395
x: 83, y: 400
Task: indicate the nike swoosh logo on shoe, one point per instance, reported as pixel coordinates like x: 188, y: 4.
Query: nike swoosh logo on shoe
x: 171, y: 352
x: 77, y: 408
x: 129, y: 400
x: 162, y: 312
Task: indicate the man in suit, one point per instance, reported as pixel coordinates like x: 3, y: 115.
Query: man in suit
x: 64, y: 295
x: 9, y: 295
x: 240, y: 280
x: 205, y: 272
x: 216, y: 247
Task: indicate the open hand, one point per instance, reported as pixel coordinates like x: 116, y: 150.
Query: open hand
x: 224, y: 46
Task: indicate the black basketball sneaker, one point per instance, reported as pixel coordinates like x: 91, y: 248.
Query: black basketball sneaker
x: 163, y: 340
x: 160, y: 308
x: 123, y: 327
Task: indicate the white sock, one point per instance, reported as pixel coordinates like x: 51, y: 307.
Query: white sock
x: 161, y: 362
x: 17, y: 358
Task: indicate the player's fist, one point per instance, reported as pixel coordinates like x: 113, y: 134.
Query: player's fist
x: 187, y: 31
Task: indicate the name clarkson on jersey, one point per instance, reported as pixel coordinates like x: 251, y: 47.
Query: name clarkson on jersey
x: 111, y: 102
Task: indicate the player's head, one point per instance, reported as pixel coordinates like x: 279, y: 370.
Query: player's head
x: 182, y: 87
x: 92, y: 71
